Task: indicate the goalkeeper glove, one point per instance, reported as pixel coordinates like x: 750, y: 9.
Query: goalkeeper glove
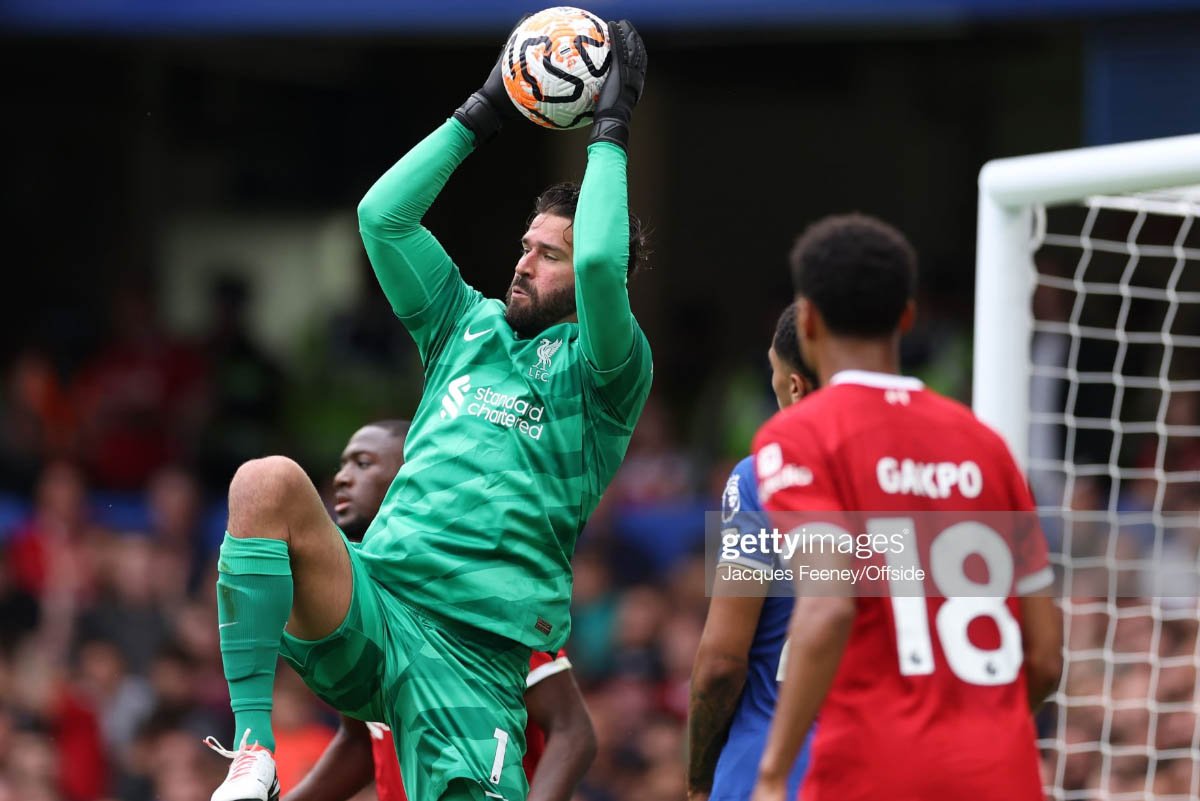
x: 485, y: 111
x: 623, y: 87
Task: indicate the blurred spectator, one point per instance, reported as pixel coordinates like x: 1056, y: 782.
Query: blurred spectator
x: 130, y: 613
x: 1180, y: 455
x: 688, y: 587
x: 1085, y: 535
x: 638, y: 704
x: 641, y: 615
x: 197, y: 644
x: 182, y: 768
x: 72, y: 750
x: 134, y: 775
x: 36, y: 420
x: 19, y: 612
x: 661, y: 747
x: 176, y: 517
x: 245, y: 387
x: 593, y: 615
x: 123, y: 700
x: 681, y: 638
x: 619, y: 710
x: 1138, y: 710
x: 180, y: 695
x: 1174, y: 778
x: 366, y: 334
x: 139, y: 399
x: 655, y: 469
x: 32, y: 767
x: 55, y: 548
x: 1130, y: 717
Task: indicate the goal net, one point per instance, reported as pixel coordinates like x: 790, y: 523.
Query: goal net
x: 1088, y: 361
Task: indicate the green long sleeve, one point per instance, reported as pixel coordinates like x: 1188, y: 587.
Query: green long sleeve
x: 412, y: 266
x: 606, y: 324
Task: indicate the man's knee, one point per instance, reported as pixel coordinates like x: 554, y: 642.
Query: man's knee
x: 270, y: 484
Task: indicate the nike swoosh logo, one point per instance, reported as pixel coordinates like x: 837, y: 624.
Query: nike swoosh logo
x: 223, y: 625
x: 469, y: 335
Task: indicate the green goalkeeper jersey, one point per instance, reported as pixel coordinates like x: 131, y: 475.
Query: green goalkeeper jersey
x: 514, y: 440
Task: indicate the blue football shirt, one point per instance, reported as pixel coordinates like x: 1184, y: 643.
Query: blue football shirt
x: 737, y: 766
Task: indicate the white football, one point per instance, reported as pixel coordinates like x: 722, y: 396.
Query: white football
x: 554, y: 65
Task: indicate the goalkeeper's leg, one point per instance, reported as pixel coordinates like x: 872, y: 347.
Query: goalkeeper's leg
x: 282, y: 562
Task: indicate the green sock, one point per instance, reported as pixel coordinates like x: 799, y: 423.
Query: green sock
x: 254, y: 599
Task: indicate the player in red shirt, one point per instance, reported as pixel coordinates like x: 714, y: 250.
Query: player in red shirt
x: 559, y: 726
x: 922, y: 696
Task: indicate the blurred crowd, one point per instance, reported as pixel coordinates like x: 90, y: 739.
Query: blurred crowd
x: 1127, y: 720
x: 110, y: 672
x: 114, y: 457
x: 113, y: 463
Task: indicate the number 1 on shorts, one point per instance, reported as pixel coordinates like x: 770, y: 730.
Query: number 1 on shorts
x: 498, y: 762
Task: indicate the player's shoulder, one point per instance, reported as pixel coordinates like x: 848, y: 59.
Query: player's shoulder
x: 488, y: 310
x: 957, y: 415
x: 743, y: 470
x: 786, y: 420
x: 741, y: 489
x: 951, y: 408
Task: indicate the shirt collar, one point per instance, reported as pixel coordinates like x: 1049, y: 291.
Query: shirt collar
x: 868, y: 378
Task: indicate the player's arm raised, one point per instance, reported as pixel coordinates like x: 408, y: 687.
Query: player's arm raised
x: 410, y: 263
x: 557, y: 707
x: 417, y: 275
x: 601, y: 246
x: 344, y: 768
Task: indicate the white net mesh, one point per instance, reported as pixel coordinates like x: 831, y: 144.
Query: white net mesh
x: 1115, y: 465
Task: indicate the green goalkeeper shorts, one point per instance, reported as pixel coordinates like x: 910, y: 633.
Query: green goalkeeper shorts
x: 453, y: 696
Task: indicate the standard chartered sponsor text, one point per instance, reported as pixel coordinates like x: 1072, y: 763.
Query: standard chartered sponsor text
x: 508, y: 411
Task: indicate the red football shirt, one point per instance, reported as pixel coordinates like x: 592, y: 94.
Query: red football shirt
x: 929, y: 700
x: 388, y: 785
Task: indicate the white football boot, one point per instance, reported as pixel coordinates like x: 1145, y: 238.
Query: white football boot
x: 251, y: 777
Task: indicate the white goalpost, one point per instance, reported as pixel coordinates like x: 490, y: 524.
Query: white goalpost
x: 1087, y: 361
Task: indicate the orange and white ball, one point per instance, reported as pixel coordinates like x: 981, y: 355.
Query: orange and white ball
x: 554, y: 65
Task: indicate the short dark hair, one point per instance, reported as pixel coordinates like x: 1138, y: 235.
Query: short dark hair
x: 561, y: 199
x: 787, y: 345
x: 395, y: 427
x: 858, y: 271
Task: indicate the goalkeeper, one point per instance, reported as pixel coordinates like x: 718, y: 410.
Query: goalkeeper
x: 527, y: 411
